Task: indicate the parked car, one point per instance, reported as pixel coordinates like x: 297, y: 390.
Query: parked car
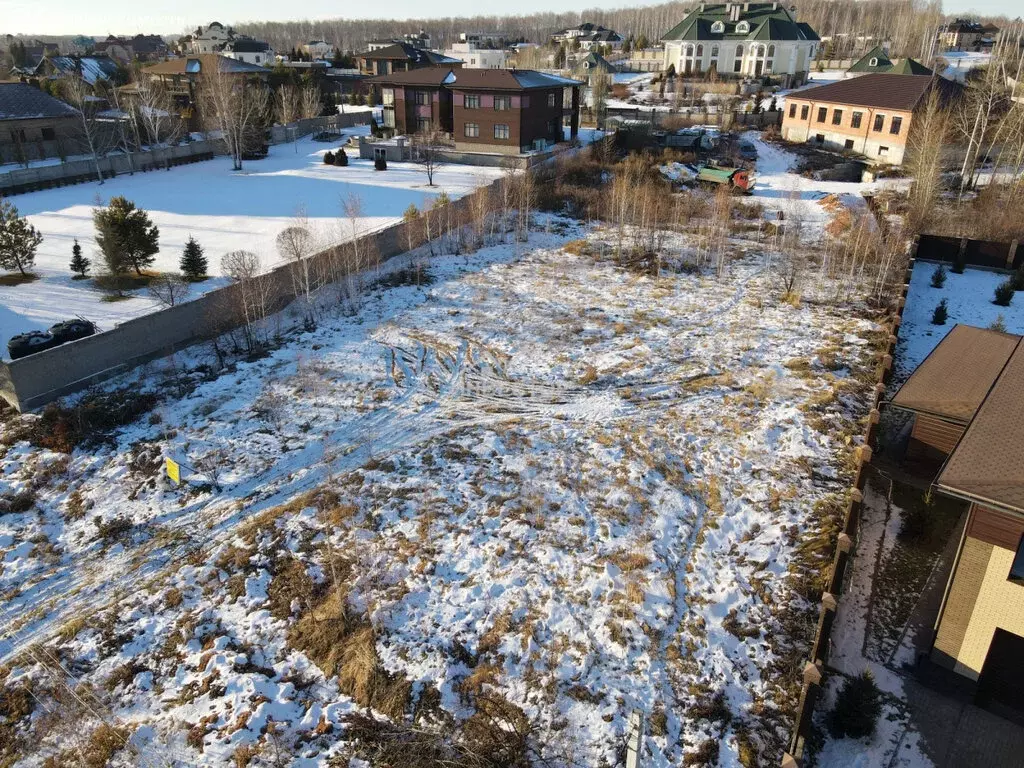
x: 748, y: 151
x: 72, y: 330
x: 29, y: 343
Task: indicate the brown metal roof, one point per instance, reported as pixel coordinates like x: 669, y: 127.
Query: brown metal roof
x: 883, y: 91
x: 205, y: 63
x: 987, y: 464
x: 954, y: 379
x: 476, y: 79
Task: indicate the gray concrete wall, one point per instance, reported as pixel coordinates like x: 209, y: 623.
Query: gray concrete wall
x: 279, y: 134
x: 74, y: 171
x: 33, y: 381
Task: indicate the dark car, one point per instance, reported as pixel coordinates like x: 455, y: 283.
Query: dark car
x: 748, y: 151
x: 72, y: 330
x: 29, y: 343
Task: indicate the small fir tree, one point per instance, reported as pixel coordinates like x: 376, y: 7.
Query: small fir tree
x: 999, y: 324
x: 939, y: 277
x: 193, y: 262
x: 126, y: 235
x: 1004, y: 293
x: 79, y: 262
x: 18, y: 240
x: 341, y: 158
x: 959, y: 263
x: 857, y: 709
x: 328, y: 157
x: 940, y: 313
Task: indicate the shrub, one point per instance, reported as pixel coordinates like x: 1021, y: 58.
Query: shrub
x: 999, y: 324
x: 1004, y: 293
x: 857, y: 708
x: 959, y: 263
x: 341, y: 159
x: 939, y: 277
x: 328, y: 157
x: 940, y: 313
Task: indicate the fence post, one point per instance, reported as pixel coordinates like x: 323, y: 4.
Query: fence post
x: 1011, y: 254
x: 634, y: 738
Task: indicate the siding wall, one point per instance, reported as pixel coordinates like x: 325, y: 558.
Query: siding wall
x: 981, y: 598
x: 866, y: 140
x: 932, y: 437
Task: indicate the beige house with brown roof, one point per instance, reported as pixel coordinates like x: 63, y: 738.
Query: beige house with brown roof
x: 974, y: 382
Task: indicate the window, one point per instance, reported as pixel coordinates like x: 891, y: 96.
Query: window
x: 739, y: 50
x: 894, y: 127
x: 873, y: 62
x: 1017, y: 569
x: 883, y: 151
x: 760, y: 51
x: 471, y: 101
x: 879, y: 122
x: 689, y: 51
x: 849, y: 144
x: 501, y: 131
x: 422, y: 97
x: 718, y: 28
x: 471, y: 130
x: 551, y: 100
x: 700, y: 51
x: 837, y: 117
x: 743, y: 27
x: 503, y: 102
x: 714, y: 51
x: 820, y: 138
x: 49, y: 134
x: 423, y: 125
x: 805, y: 110
x: 792, y: 110
x: 738, y: 65
x: 387, y: 97
x: 855, y: 119
x: 771, y: 51
x: 822, y: 114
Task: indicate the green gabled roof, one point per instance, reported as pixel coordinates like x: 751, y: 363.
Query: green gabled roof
x: 768, y: 21
x: 864, y: 64
x: 910, y: 67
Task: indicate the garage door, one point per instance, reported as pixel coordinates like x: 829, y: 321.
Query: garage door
x: 1001, y: 684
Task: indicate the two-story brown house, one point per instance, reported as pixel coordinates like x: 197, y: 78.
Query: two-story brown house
x: 870, y: 115
x: 484, y: 110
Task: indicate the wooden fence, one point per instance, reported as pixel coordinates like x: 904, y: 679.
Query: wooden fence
x: 974, y: 253
x: 814, y: 668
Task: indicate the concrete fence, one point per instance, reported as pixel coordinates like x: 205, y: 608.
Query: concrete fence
x: 78, y: 171
x: 31, y: 382
x: 279, y: 134
x: 813, y: 670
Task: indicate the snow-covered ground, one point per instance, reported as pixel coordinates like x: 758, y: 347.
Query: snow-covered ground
x: 224, y: 210
x: 959, y: 63
x: 543, y: 479
x: 969, y: 301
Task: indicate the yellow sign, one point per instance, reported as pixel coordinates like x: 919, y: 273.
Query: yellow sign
x: 173, y: 470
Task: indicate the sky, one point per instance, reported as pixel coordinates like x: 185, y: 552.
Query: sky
x: 102, y: 17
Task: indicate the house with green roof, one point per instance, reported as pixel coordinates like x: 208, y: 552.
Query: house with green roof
x: 742, y: 40
x: 877, y: 61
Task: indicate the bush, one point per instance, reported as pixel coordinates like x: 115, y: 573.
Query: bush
x: 939, y: 277
x: 959, y: 263
x: 1004, y: 293
x: 1018, y: 279
x: 328, y: 157
x: 341, y: 159
x: 940, y: 313
x: 999, y: 324
x: 857, y: 708
x: 380, y: 163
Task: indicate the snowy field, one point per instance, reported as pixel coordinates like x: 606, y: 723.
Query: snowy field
x: 969, y: 301
x: 542, y: 487
x: 959, y: 63
x: 224, y: 210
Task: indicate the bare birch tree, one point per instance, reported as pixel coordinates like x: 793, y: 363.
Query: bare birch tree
x: 237, y: 106
x: 95, y: 135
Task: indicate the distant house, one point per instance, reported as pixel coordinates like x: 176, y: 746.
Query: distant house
x: 34, y: 125
x: 742, y: 40
x: 416, y: 39
x: 483, y: 110
x: 318, y: 49
x: 92, y: 69
x: 966, y: 35
x: 977, y: 376
x: 248, y: 50
x: 183, y: 79
x: 877, y: 61
x: 478, y: 52
x: 870, y: 115
x: 644, y: 60
x: 127, y: 49
x: 209, y: 40
x: 402, y: 57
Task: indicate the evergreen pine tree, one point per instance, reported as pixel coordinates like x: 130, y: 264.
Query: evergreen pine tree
x: 79, y: 263
x: 193, y: 262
